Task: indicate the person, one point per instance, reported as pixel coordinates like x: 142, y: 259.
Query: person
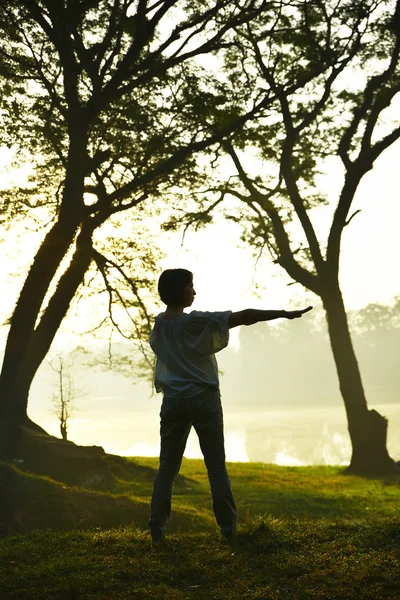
x: 187, y: 373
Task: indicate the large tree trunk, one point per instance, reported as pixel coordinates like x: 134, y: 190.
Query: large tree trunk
x: 367, y: 428
x: 28, y: 341
x: 14, y: 403
x: 44, y: 267
x: 23, y: 320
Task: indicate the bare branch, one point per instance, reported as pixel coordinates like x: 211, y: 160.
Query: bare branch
x: 353, y: 177
x: 352, y: 217
x: 286, y: 258
x: 372, y: 101
x: 103, y: 261
x: 102, y: 264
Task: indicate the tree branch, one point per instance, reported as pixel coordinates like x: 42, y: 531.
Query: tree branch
x: 358, y: 169
x: 370, y: 101
x: 59, y: 36
x: 352, y: 217
x: 292, y: 134
x: 286, y: 258
x: 152, y: 65
x: 102, y: 263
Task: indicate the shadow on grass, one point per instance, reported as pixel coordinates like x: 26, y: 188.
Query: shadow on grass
x: 29, y: 501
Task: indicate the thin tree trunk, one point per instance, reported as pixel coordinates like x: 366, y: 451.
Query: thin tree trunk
x: 63, y: 429
x: 367, y: 428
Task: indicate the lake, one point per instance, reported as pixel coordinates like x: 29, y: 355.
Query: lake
x: 292, y: 437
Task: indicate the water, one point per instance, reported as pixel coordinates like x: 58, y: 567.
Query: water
x: 293, y: 437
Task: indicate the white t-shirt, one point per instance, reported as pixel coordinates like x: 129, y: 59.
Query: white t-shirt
x: 185, y: 349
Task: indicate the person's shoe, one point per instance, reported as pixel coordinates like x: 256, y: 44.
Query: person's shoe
x: 157, y: 541
x: 229, y: 538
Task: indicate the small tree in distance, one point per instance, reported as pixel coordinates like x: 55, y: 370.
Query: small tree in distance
x: 63, y: 399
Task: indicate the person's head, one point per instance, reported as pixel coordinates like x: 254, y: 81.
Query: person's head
x: 175, y: 287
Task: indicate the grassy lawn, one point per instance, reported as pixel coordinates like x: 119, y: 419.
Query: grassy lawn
x: 304, y: 533
x: 302, y: 492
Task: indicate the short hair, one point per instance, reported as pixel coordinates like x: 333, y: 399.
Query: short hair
x: 171, y: 285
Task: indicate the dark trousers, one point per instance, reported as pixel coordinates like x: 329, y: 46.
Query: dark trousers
x: 204, y: 412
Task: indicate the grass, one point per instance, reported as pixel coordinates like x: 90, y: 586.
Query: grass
x: 304, y: 533
x: 303, y: 492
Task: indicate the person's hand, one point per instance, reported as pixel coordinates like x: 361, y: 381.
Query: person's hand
x: 295, y: 314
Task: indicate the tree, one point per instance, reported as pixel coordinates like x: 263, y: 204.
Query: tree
x: 104, y: 100
x: 334, y: 70
x: 63, y: 399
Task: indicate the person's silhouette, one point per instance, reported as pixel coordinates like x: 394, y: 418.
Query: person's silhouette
x: 187, y: 373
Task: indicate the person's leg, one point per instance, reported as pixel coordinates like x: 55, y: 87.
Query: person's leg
x: 174, y: 431
x: 208, y: 424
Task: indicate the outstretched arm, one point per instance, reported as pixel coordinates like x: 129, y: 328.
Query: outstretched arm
x: 252, y: 315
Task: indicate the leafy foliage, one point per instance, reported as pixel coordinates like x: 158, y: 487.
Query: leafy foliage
x: 328, y: 73
x: 109, y: 103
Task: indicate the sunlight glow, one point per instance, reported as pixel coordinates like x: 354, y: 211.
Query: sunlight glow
x: 235, y: 447
x: 140, y: 449
x: 283, y: 459
x: 336, y: 449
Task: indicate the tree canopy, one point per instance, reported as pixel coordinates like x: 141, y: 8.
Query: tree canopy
x: 105, y: 100
x: 332, y: 72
